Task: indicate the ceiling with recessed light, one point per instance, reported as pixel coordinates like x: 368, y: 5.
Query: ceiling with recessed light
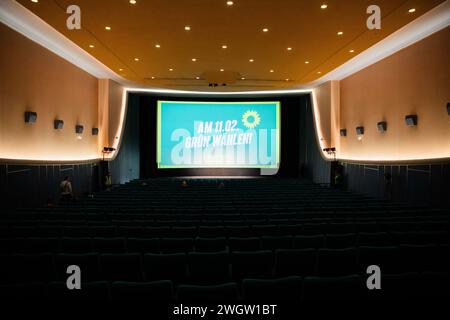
x: 235, y: 45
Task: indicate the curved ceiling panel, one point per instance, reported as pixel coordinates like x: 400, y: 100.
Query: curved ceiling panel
x: 193, y: 44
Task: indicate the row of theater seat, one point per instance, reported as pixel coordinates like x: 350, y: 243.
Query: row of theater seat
x: 428, y: 285
x: 211, y: 244
x: 219, y: 267
x: 155, y: 234
x: 219, y: 231
x: 87, y: 211
x: 150, y: 220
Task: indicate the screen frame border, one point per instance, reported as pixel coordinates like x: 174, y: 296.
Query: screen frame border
x: 239, y: 166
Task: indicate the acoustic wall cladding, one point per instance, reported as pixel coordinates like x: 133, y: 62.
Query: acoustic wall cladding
x: 416, y: 184
x: 25, y: 185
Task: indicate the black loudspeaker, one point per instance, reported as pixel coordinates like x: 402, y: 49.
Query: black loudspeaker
x: 359, y: 131
x: 95, y: 131
x: 79, y: 129
x: 382, y: 126
x: 411, y: 120
x: 30, y: 117
x: 343, y: 132
x: 58, y: 124
x: 448, y: 108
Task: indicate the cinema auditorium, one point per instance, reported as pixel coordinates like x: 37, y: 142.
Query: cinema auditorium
x: 251, y: 155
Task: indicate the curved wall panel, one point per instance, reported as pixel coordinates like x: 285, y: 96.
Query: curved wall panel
x: 415, y: 80
x: 35, y: 79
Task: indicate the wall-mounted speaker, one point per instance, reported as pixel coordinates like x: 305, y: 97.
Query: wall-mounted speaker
x: 79, y: 129
x: 30, y: 117
x: 411, y: 120
x: 95, y: 131
x: 359, y: 131
x: 448, y: 108
x: 382, y: 126
x: 58, y: 124
x: 343, y: 132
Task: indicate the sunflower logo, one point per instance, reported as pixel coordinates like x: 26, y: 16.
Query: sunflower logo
x: 251, y: 119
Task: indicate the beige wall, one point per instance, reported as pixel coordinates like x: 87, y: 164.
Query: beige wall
x: 103, y: 113
x: 327, y: 113
x: 109, y: 113
x: 415, y: 80
x: 115, y: 106
x: 34, y: 79
x: 323, y: 113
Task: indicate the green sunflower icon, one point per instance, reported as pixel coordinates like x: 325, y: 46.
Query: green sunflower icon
x: 251, y: 119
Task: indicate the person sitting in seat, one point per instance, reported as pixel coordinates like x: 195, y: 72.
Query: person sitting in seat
x: 66, y: 190
x: 108, y: 181
x: 50, y: 203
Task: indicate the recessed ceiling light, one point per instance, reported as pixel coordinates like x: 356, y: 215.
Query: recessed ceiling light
x: 351, y: 51
x: 319, y: 72
x: 136, y: 59
x: 412, y: 10
x: 133, y: 1
x: 340, y: 33
x: 306, y: 62
x: 194, y: 59
x: 251, y: 60
x: 120, y: 69
x: 170, y: 69
x: 35, y: 1
x: 230, y: 3
x: 224, y: 46
x: 289, y: 49
x: 157, y: 46
x: 108, y: 28
x: 287, y: 79
x: 187, y: 28
x: 324, y: 6
x: 222, y: 70
x: 242, y: 78
x: 266, y: 30
x: 271, y: 71
x: 91, y: 46
x: 198, y: 78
